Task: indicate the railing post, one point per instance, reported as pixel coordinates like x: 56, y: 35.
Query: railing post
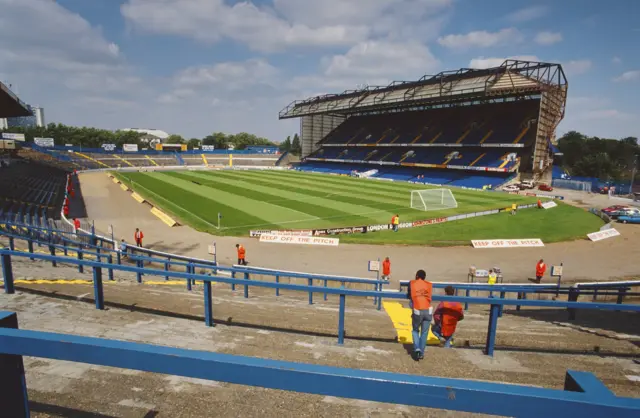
x: 573, y: 297
x: 12, y: 246
x: 491, y: 331
x: 118, y: 257
x: 325, y: 286
x: 97, y: 288
x: 80, y: 266
x: 208, y: 304
x: 166, y: 268
x: 466, y: 304
x: 139, y: 264
x: 341, y: 317
x: 380, y: 297
x: 277, y: 288
x: 621, y: 294
x: 310, y: 283
x: 110, y: 261
x: 502, y: 295
x: 519, y: 297
x: 30, y: 246
x: 13, y: 396
x: 64, y: 248
x: 246, y: 287
x: 52, y: 250
x: 188, y: 280
x: 7, y: 273
x: 233, y: 285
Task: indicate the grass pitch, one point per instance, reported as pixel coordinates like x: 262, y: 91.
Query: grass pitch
x: 292, y: 200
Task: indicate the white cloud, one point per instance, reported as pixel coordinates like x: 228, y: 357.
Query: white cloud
x: 372, y: 63
x: 616, y: 60
x: 481, y: 39
x: 527, y: 14
x: 288, y: 23
x: 577, y: 67
x: 633, y: 75
x: 548, y: 38
x: 482, y: 63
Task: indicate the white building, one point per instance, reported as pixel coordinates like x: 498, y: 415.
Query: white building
x: 151, y: 136
x: 38, y: 112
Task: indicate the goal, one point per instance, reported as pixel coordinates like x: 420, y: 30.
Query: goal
x: 433, y: 199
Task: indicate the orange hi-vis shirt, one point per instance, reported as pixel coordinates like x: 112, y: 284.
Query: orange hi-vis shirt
x: 138, y: 236
x: 451, y: 314
x: 541, y: 268
x: 386, y: 268
x: 395, y: 220
x: 421, y: 292
x: 241, y: 252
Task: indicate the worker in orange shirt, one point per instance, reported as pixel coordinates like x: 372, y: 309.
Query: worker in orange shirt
x: 395, y: 222
x: 446, y: 317
x: 386, y: 269
x: 541, y: 268
x: 138, y: 236
x: 420, y: 292
x: 539, y: 204
x: 241, y: 255
x: 65, y: 210
x: 76, y: 224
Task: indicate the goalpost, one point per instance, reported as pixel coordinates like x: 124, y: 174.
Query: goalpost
x: 433, y: 199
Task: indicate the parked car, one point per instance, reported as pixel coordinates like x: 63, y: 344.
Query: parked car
x: 629, y: 219
x: 526, y: 184
x: 511, y: 188
x: 614, y: 208
x: 545, y: 188
x: 624, y: 212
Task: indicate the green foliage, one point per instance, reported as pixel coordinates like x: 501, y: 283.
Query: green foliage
x: 175, y: 139
x: 296, y: 148
x: 79, y: 136
x: 607, y: 159
x: 194, y: 143
x: 239, y: 141
x: 285, y: 145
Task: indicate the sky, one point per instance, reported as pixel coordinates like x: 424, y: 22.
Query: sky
x: 193, y: 67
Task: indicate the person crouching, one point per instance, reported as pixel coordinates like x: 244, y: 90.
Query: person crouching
x: 446, y: 318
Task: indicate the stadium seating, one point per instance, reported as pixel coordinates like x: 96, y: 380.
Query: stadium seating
x: 31, y: 190
x: 461, y: 146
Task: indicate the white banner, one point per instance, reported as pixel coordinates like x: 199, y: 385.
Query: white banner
x: 130, y: 147
x: 294, y: 239
x: 15, y: 137
x: 600, y: 235
x: 549, y: 205
x: 301, y: 233
x: 44, y: 142
x: 507, y: 243
x: 208, y: 147
x: 108, y: 147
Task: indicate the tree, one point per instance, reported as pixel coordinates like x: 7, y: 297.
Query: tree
x: 285, y: 145
x: 175, y: 139
x: 193, y: 143
x: 217, y: 139
x: 296, y: 149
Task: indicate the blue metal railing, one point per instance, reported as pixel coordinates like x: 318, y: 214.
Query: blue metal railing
x: 496, y: 305
x: 583, y: 396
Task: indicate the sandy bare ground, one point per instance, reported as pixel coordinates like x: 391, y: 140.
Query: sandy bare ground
x: 584, y: 260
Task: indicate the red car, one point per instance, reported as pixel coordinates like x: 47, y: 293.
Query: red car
x: 545, y: 188
x: 614, y: 208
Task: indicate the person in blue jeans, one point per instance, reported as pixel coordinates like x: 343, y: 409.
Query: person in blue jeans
x: 420, y: 292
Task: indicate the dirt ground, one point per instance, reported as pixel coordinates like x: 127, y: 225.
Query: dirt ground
x: 583, y: 260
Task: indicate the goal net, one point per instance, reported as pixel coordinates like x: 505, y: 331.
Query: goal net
x: 433, y: 199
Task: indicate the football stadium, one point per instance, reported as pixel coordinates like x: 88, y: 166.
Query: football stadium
x: 160, y: 280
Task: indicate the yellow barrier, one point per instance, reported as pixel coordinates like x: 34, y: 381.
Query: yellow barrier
x: 137, y: 197
x: 124, y: 187
x: 115, y: 180
x: 164, y: 217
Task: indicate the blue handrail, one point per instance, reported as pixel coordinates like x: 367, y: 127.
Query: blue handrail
x: 583, y: 396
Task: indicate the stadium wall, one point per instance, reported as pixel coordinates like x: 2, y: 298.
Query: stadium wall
x: 314, y: 129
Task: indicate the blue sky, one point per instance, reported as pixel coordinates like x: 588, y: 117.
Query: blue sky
x: 193, y: 67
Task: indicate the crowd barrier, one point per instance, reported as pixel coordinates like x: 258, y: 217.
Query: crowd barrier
x: 583, y: 395
x: 496, y: 305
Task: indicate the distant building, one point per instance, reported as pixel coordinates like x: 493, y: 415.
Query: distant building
x: 151, y: 136
x: 23, y: 121
x: 38, y: 112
